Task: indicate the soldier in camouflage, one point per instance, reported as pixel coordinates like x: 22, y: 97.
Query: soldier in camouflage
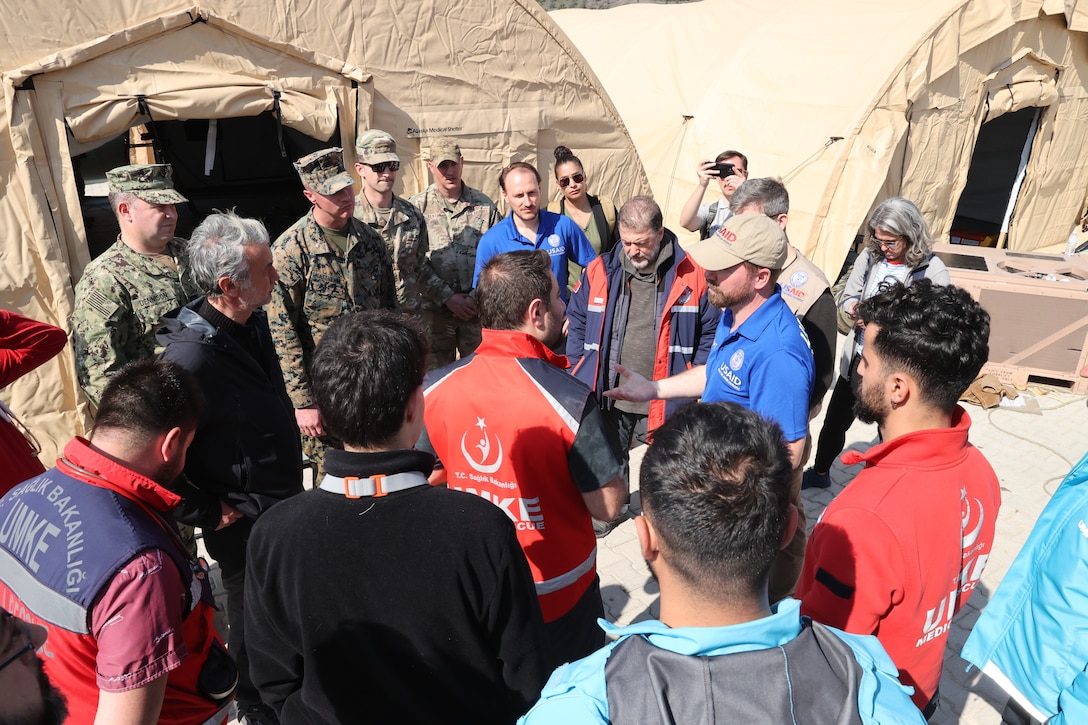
x: 142, y: 276
x: 329, y: 264
x: 399, y: 223
x: 456, y: 216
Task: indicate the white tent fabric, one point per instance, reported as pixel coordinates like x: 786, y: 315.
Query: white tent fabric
x: 849, y: 102
x: 496, y: 74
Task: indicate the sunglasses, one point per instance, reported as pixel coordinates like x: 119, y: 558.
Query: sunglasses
x: 576, y: 178
x: 887, y: 243
x: 27, y: 647
x: 384, y: 166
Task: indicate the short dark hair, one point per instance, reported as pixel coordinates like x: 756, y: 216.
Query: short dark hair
x: 147, y: 398
x: 937, y: 333
x: 715, y: 484
x: 639, y: 213
x: 730, y: 153
x: 770, y: 194
x: 509, y: 283
x: 513, y: 167
x: 364, y: 372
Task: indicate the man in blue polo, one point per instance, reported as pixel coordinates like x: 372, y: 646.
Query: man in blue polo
x: 530, y: 227
x: 761, y: 357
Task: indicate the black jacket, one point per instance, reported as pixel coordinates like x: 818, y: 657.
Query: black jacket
x: 247, y: 450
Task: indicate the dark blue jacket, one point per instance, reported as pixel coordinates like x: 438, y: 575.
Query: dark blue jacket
x: 685, y: 323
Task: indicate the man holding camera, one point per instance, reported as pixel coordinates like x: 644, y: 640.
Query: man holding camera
x: 730, y: 169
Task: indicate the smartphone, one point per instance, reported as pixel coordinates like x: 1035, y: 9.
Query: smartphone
x: 724, y: 170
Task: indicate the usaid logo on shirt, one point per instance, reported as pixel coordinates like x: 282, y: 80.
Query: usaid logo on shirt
x: 555, y: 245
x: 728, y: 370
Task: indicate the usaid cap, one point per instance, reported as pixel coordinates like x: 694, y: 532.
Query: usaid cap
x: 323, y: 171
x: 153, y: 183
x: 754, y: 238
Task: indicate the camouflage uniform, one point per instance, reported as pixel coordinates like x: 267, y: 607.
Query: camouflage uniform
x: 319, y: 283
x: 405, y: 239
x: 453, y: 230
x: 123, y: 294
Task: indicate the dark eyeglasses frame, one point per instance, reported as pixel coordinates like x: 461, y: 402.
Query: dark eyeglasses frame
x: 576, y: 178
x: 384, y: 166
x: 28, y: 647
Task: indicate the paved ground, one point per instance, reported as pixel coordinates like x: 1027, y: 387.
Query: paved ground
x: 1031, y: 448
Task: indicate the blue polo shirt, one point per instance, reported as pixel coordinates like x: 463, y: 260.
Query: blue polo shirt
x: 766, y: 365
x: 558, y: 235
x: 577, y: 693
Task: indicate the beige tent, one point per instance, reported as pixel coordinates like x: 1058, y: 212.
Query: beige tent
x: 852, y: 101
x: 497, y: 74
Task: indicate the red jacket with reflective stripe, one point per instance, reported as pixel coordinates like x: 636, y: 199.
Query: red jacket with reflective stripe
x: 502, y: 422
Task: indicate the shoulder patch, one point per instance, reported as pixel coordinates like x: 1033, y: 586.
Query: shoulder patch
x: 101, y: 304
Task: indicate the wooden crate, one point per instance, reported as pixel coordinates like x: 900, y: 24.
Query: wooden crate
x: 1038, y: 305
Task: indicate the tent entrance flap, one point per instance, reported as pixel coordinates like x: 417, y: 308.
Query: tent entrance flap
x: 198, y: 71
x: 994, y: 178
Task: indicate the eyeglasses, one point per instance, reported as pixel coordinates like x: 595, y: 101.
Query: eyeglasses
x: 576, y: 178
x: 384, y: 166
x: 28, y: 647
x: 887, y: 243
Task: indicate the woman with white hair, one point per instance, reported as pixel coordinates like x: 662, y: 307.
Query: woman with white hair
x: 898, y: 248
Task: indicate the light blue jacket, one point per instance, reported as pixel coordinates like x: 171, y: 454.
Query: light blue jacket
x: 576, y: 693
x: 1032, y: 638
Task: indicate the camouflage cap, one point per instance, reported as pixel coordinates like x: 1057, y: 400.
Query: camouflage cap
x: 375, y: 147
x: 445, y: 149
x: 323, y: 171
x: 153, y: 183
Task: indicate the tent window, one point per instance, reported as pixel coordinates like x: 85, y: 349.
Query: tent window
x: 993, y: 179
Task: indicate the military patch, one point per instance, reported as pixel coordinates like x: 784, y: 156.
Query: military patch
x: 101, y: 304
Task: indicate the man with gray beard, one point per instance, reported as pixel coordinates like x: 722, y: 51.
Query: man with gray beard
x: 643, y: 305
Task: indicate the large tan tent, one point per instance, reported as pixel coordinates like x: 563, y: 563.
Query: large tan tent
x: 976, y: 110
x: 497, y: 74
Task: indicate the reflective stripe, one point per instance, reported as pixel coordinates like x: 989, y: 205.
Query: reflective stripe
x: 554, y: 584
x: 685, y: 308
x: 590, y: 346
x: 681, y: 348
x: 354, y: 487
x: 594, y: 308
x: 556, y: 405
x: 45, y: 603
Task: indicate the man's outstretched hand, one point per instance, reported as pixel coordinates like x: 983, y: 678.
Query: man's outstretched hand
x: 634, y: 387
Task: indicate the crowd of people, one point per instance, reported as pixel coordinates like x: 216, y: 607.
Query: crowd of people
x: 411, y: 352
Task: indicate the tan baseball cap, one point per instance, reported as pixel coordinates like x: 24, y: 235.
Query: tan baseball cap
x: 445, y: 149
x: 323, y: 171
x: 376, y: 147
x: 153, y: 183
x: 754, y: 238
